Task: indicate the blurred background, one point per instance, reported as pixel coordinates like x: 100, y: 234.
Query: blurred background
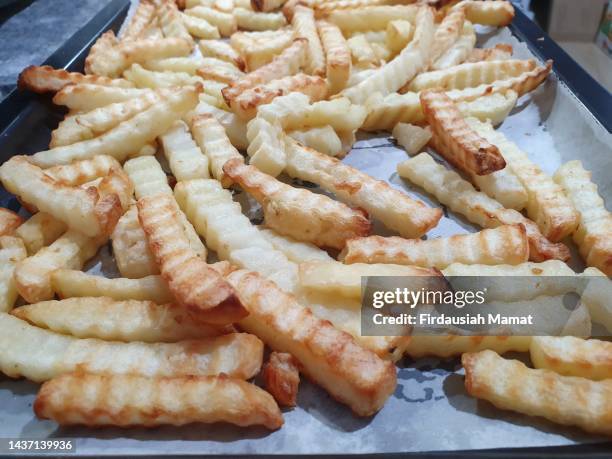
x: 31, y: 30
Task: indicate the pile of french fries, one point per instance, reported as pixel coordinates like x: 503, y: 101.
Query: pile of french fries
x: 153, y: 141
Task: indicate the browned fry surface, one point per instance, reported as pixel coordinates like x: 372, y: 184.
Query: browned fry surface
x: 282, y: 377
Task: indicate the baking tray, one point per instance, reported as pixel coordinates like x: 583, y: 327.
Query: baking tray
x: 567, y: 118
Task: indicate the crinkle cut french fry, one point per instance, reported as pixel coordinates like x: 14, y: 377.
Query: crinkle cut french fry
x: 71, y: 250
x: 126, y: 400
x: 362, y: 52
x: 143, y: 16
x: 149, y: 79
x: 251, y: 20
x: 47, y: 79
x: 351, y: 374
x: 323, y: 139
x: 547, y: 206
x: 398, y: 34
x: 266, y: 147
x: 40, y: 230
x: 413, y: 138
x: 285, y: 64
x: 594, y: 233
x: 506, y: 244
x: 235, y: 128
x: 68, y: 132
x: 493, y: 108
x: 210, y: 135
x: 259, y: 51
x: 185, y: 158
x: 471, y: 74
x: 266, y: 5
x: 447, y: 33
x: 99, y: 51
x: 323, y: 7
x: 337, y: 56
x: 498, y: 13
x: 333, y: 277
x: 84, y: 210
x: 414, y: 58
x: 193, y: 282
x: 453, y: 138
x: 147, y: 176
x: 548, y: 268
x: 303, y: 23
x: 85, y: 97
x: 460, y: 196
x: 296, y: 251
x: 9, y: 221
x: 409, y: 217
x: 40, y: 355
x: 572, y: 356
x: 281, y: 378
x: 130, y: 248
x: 499, y: 52
x: 445, y: 346
x: 12, y: 251
x: 460, y: 51
x: 116, y: 320
x: 127, y: 137
x: 81, y: 172
x: 596, y: 296
x: 245, y: 105
x: 297, y: 212
x: 225, y: 22
x: 221, y: 50
x: 200, y: 27
x: 223, y: 74
x: 371, y: 17
x: 171, y: 22
x: 71, y: 283
x: 510, y: 385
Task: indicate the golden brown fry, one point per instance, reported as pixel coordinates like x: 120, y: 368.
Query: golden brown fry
x: 194, y: 283
x: 331, y: 358
x: 39, y: 354
x: 81, y: 172
x: 39, y: 231
x: 447, y: 33
x: 282, y: 377
x: 337, y: 56
x: 505, y: 244
x: 12, y: 251
x: 454, y: 139
x: 140, y: 20
x: 259, y: 48
x: 499, y: 52
x: 9, y: 221
x: 127, y: 400
x: 297, y: 212
x: 47, y: 79
x: 510, y: 385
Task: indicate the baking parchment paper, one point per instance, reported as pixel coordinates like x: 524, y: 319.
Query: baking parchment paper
x: 430, y: 409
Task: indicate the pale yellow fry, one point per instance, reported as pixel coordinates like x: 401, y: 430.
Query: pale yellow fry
x: 251, y: 20
x: 230, y: 233
x: 267, y: 5
x: 223, y: 74
x: 47, y: 79
x: 126, y: 400
x: 128, y: 137
x: 547, y: 205
x: 337, y: 56
x: 210, y: 135
x: 503, y: 245
x: 99, y: 52
x: 12, y: 251
x: 596, y: 296
x: 594, y: 233
x: 510, y: 385
x: 395, y: 209
x: 351, y: 374
x: 225, y: 22
x: 149, y: 79
x: 332, y: 277
x: 221, y: 50
x: 85, y: 210
x: 447, y: 33
x: 286, y: 63
x: 454, y: 345
x: 296, y: 251
x: 371, y: 17
x: 245, y: 105
x: 362, y: 52
x: 460, y: 196
x: 116, y: 320
x: 323, y: 7
x: 493, y: 13
x: 398, y: 34
x: 303, y: 23
x: 185, y: 158
x: 68, y: 132
x: 200, y: 27
x: 471, y: 74
x: 9, y: 222
x: 493, y: 108
x: 458, y: 52
x: 182, y: 64
x: 71, y: 283
x: 297, y: 212
x: 40, y: 230
x: 266, y: 147
x: 323, y: 139
x: 130, y: 248
x: 258, y: 50
x: 572, y: 356
x: 86, y: 97
x: 414, y: 58
x: 140, y: 20
x: 546, y: 269
x: 235, y: 128
x: 40, y: 355
x: 81, y: 172
x: 33, y: 275
x: 413, y: 138
x: 171, y: 22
